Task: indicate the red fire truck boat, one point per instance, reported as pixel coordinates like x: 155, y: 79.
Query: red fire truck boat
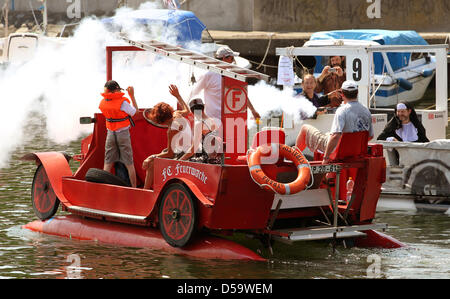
x: 287, y: 200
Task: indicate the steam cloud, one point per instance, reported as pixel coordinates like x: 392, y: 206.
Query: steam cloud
x: 64, y: 83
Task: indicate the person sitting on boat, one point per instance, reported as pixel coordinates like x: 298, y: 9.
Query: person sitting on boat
x: 308, y: 85
x: 211, y: 85
x: 349, y: 117
x: 404, y: 126
x: 118, y: 112
x: 206, y: 143
x: 163, y: 114
x: 330, y: 80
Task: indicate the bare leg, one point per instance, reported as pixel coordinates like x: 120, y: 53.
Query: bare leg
x: 132, y: 175
x: 300, y: 143
x: 149, y: 175
x: 107, y: 167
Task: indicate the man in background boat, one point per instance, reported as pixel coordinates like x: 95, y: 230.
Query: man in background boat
x: 211, y: 84
x: 330, y: 80
x: 118, y: 112
x: 350, y: 117
x: 404, y: 126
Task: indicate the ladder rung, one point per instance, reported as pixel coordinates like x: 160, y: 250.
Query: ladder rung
x: 196, y: 59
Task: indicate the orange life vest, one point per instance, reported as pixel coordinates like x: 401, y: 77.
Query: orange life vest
x: 110, y: 107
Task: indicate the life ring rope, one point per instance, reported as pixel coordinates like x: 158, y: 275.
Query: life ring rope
x: 291, y: 153
x: 309, y: 166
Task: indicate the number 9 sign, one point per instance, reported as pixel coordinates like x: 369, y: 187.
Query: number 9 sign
x: 358, y: 69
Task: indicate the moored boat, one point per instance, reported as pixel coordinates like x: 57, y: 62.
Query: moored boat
x: 396, y: 77
x: 418, y: 177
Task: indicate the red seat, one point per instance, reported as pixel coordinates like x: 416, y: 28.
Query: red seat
x: 351, y: 145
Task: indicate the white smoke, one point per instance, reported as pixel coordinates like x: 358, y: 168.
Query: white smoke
x: 269, y: 101
x: 69, y: 79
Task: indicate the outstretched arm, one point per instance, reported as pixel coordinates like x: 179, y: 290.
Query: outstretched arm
x: 331, y: 145
x: 130, y: 90
x: 173, y: 89
x: 252, y: 109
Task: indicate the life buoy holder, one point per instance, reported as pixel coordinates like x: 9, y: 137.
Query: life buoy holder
x: 285, y: 151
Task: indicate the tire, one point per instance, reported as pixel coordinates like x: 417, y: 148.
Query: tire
x: 96, y: 175
x: 177, y: 215
x: 430, y: 181
x: 43, y: 197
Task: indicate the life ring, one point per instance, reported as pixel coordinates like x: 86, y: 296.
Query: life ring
x: 290, y: 153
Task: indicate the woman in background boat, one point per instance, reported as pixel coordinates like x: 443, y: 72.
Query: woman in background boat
x: 309, y: 84
x: 404, y: 126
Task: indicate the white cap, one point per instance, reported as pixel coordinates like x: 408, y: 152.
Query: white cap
x: 225, y: 51
x: 401, y: 106
x: 349, y: 85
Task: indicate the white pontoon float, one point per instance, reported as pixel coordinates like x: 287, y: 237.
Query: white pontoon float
x: 420, y: 178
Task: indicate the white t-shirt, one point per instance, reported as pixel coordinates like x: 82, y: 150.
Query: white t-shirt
x: 211, y: 84
x: 128, y: 109
x: 352, y: 117
x: 408, y: 132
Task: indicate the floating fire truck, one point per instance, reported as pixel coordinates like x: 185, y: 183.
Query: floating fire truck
x: 289, y: 199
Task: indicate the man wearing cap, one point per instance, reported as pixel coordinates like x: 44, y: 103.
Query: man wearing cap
x: 118, y: 111
x: 350, y: 117
x: 211, y: 84
x: 404, y: 126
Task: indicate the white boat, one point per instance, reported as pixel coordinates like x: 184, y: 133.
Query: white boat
x: 19, y: 48
x: 420, y: 177
x: 396, y: 77
x: 417, y: 176
x: 174, y: 26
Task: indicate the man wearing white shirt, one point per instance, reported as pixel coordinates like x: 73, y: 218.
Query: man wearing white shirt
x: 211, y: 84
x: 350, y: 117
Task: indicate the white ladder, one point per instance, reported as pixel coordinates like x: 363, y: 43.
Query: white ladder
x: 196, y: 59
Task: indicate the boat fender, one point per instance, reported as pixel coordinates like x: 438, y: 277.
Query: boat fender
x: 405, y: 84
x: 290, y: 153
x: 427, y: 73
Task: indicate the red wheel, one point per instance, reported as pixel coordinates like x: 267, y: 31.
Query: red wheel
x: 177, y: 215
x: 44, y: 200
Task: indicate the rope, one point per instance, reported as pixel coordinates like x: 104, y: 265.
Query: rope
x: 267, y: 51
x: 373, y: 95
x: 264, y: 65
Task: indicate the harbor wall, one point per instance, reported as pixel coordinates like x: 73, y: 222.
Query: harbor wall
x: 62, y: 6
x: 282, y: 16
x: 318, y: 15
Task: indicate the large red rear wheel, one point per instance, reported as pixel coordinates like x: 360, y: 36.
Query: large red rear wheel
x: 44, y: 200
x: 177, y: 215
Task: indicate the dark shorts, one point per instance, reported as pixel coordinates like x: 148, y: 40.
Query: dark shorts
x: 118, y: 147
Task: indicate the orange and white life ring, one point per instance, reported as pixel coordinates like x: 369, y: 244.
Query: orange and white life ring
x: 290, y: 153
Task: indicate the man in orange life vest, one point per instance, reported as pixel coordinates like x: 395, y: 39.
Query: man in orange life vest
x: 118, y: 112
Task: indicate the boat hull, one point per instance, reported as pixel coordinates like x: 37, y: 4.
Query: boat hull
x: 417, y: 176
x: 390, y: 95
x: 79, y: 228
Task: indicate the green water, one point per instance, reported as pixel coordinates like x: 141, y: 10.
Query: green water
x: 25, y: 254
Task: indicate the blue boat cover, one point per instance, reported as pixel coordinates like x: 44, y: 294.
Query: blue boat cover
x: 187, y: 25
x: 383, y: 37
